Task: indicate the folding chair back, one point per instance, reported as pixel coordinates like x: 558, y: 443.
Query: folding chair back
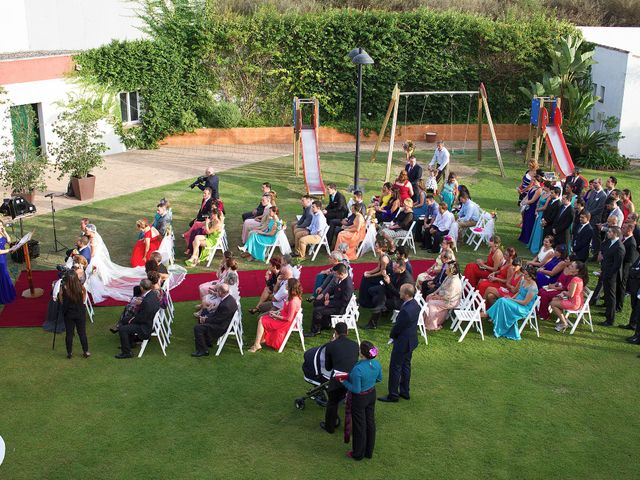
x: 532, y: 318
x: 476, y: 235
x: 583, y: 313
x: 350, y: 317
x: 222, y: 245
x: 408, y: 238
x: 470, y: 316
x: 315, y: 248
x: 369, y: 241
x: 158, y: 332
x: 89, y: 306
x: 235, y: 330
x: 282, y: 242
x: 296, y: 326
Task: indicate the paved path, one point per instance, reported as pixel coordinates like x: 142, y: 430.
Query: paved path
x: 140, y: 169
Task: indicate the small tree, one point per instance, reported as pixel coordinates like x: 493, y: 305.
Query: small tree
x: 22, y: 164
x: 80, y: 146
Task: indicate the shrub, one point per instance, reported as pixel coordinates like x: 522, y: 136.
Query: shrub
x: 221, y: 115
x: 606, y: 158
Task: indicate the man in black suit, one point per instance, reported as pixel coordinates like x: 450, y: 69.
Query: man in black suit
x: 337, y: 207
x: 334, y: 301
x: 140, y: 326
x: 387, y: 296
x: 577, y: 210
x: 211, y: 182
x: 576, y: 181
x: 633, y: 287
x: 630, y: 257
x: 340, y: 354
x: 216, y: 323
x: 595, y: 206
x: 550, y: 213
x: 405, y: 340
x: 259, y: 210
x: 611, y: 258
x: 582, y: 235
x: 632, y: 219
x: 563, y: 221
x: 302, y: 225
x: 205, y: 206
x: 414, y: 174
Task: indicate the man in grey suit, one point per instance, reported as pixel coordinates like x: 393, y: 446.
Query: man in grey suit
x: 595, y: 206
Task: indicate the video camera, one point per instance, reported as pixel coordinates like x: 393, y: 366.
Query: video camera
x: 199, y: 181
x: 63, y: 270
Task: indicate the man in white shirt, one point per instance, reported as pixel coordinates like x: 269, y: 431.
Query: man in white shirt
x: 469, y: 214
x: 440, y: 160
x: 439, y: 229
x: 281, y: 293
x: 318, y: 224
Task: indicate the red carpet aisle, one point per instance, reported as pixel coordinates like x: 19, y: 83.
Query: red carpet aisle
x: 25, y: 312
x: 31, y: 313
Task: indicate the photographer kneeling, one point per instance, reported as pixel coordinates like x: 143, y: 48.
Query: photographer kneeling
x: 72, y: 296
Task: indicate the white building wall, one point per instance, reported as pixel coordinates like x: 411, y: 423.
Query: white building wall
x: 45, y: 25
x: 610, y: 73
x: 48, y: 93
x: 630, y: 117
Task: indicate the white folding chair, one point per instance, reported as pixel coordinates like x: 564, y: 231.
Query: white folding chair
x: 408, y: 238
x: 471, y: 316
x: 296, y: 326
x: 532, y: 318
x: 282, y: 242
x: 583, y: 313
x: 158, y: 332
x: 481, y: 232
x: 89, y: 306
x: 315, y: 248
x: 170, y: 310
x: 234, y: 329
x: 350, y: 316
x: 369, y: 242
x: 222, y: 245
x: 465, y: 299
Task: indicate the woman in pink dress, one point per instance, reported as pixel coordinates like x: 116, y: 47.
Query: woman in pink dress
x: 573, y: 298
x: 404, y: 186
x: 149, y: 243
x: 273, y: 327
x: 446, y: 297
x: 549, y: 292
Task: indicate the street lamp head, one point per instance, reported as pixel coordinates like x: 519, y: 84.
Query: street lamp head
x: 354, y: 52
x: 362, y: 59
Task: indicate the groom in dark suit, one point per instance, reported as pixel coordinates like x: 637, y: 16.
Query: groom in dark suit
x: 216, y: 323
x: 140, y: 326
x: 337, y: 207
x: 582, y: 235
x: 563, y: 221
x: 550, y: 213
x: 405, y: 340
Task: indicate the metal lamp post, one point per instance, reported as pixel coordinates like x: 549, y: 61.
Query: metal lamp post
x: 359, y: 57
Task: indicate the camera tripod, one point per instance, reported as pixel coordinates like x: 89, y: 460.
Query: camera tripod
x: 57, y: 245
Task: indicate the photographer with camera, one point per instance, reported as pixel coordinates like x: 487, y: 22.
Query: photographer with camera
x: 72, y: 296
x: 210, y: 180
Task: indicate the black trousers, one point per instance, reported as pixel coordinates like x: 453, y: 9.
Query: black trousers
x: 596, y: 241
x: 128, y: 334
x: 331, y: 413
x: 321, y: 317
x: 400, y: 373
x: 621, y: 287
x: 80, y: 324
x: 634, y: 319
x: 609, y: 284
x: 335, y: 227
x: 205, y: 334
x: 247, y: 216
x: 432, y: 242
x: 363, y: 420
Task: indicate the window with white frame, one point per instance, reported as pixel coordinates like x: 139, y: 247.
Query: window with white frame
x: 130, y: 107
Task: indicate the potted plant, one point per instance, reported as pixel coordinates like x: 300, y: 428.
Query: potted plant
x: 80, y: 147
x: 22, y: 164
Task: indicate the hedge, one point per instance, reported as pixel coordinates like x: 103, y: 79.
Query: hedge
x: 261, y: 61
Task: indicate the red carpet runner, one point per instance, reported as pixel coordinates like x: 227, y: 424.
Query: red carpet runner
x: 31, y: 313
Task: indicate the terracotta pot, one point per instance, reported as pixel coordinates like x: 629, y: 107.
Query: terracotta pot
x: 29, y: 197
x: 83, y: 188
x: 431, y: 137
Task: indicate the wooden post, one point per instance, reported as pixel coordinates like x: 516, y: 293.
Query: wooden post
x: 395, y: 97
x: 31, y: 292
x: 479, y: 126
x: 392, y: 139
x: 485, y: 103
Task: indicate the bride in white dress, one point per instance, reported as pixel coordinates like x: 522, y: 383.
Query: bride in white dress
x: 106, y: 279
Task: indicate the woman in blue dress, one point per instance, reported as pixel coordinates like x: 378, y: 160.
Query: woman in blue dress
x: 450, y: 191
x: 530, y: 202
x: 535, y: 242
x: 420, y: 207
x: 259, y: 240
x: 550, y: 271
x: 506, y: 312
x: 7, y: 290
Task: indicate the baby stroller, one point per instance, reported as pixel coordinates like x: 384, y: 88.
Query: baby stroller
x: 315, y: 374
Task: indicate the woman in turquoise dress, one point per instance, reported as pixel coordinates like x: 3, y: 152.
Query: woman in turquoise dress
x: 535, y: 241
x: 7, y: 290
x: 450, y: 191
x: 506, y: 312
x: 420, y: 207
x: 259, y: 240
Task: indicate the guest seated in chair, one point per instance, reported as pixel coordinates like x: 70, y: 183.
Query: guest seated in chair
x: 386, y: 297
x: 468, y: 216
x: 433, y: 270
x: 333, y: 302
x: 372, y: 278
x: 280, y: 293
x: 270, y: 279
x: 551, y: 270
x: 210, y: 299
x: 444, y: 299
x: 260, y: 239
x: 429, y: 286
x: 140, y: 326
x: 399, y: 225
x: 439, y: 229
x: 150, y: 243
x: 214, y: 325
x: 259, y: 221
x: 337, y: 207
x: 353, y: 234
x: 259, y: 210
x: 509, y: 289
x: 318, y: 224
x: 388, y: 212
x: 301, y: 227
x: 198, y: 221
x: 572, y: 298
x: 273, y: 326
x: 474, y: 272
x: 207, y: 240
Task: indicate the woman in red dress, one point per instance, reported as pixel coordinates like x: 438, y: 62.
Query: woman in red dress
x: 474, y: 272
x: 149, y: 243
x: 509, y: 289
x: 502, y: 276
x: 273, y: 327
x: 404, y: 186
x: 573, y: 298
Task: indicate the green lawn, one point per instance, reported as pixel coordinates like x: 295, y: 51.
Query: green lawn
x: 557, y: 406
